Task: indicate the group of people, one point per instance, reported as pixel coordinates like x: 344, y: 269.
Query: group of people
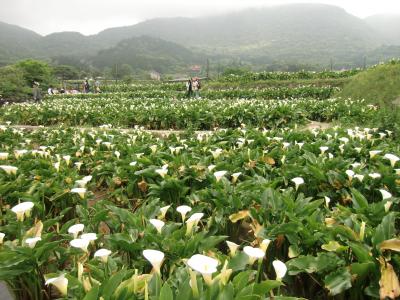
x: 86, y: 86
x: 193, y: 87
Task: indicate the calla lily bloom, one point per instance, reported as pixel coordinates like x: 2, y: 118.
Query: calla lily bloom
x: 80, y: 191
x: 359, y: 177
x: 19, y: 153
x: 216, y: 153
x: 32, y: 241
x: 158, y: 224
x: 280, y: 269
x: 193, y: 221
x: 323, y: 149
x: 253, y: 254
x: 80, y: 243
x: 3, y: 155
x: 89, y: 236
x: 205, y: 265
x: 162, y: 172
x: 67, y: 159
x: 60, y: 282
x: 264, y: 245
x: 385, y: 194
x: 232, y: 247
x: 218, y: 175
x: 393, y: 159
x: 134, y: 163
x: 298, y: 181
x: 23, y: 209
x: 183, y: 210
x: 374, y: 175
x: 164, y: 210
x: 373, y: 153
x: 327, y: 201
x: 155, y: 257
x: 2, y: 235
x: 235, y: 176
x: 9, y: 169
x: 102, y: 254
x: 75, y: 229
x: 350, y: 174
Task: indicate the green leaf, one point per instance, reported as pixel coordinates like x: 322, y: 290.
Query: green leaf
x: 361, y: 252
x: 358, y: 199
x: 111, y: 285
x: 238, y: 262
x: 93, y: 293
x: 338, y: 281
x: 166, y: 293
x: 266, y: 286
x: 227, y: 293
x: 242, y: 279
x: 385, y: 230
x: 362, y: 270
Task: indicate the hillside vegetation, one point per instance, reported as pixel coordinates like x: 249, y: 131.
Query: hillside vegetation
x: 379, y: 85
x: 313, y: 35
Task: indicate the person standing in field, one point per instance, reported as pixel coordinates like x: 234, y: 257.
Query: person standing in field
x: 189, y: 88
x: 86, y: 86
x: 97, y: 86
x: 37, y: 95
x: 196, y: 88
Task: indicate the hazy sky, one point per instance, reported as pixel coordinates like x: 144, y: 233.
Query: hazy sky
x: 92, y: 16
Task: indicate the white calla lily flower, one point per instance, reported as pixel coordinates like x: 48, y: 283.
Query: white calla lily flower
x: 158, y: 224
x: 373, y: 153
x: 298, y: 181
x: 89, y: 236
x: 10, y: 170
x: 193, y: 221
x: 2, y: 235
x: 393, y: 159
x: 32, y: 241
x: 155, y: 257
x: 164, y: 210
x: 219, y: 174
x: 253, y: 254
x: 103, y: 254
x: 385, y: 194
x: 232, y: 248
x: 80, y: 243
x: 183, y: 210
x: 205, y: 265
x: 280, y: 269
x: 264, y: 244
x: 61, y: 283
x: 235, y: 176
x: 22, y: 210
x: 323, y: 149
x: 80, y: 191
x: 162, y: 172
x: 3, y: 155
x: 75, y: 229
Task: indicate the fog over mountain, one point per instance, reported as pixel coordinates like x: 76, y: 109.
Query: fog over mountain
x: 295, y: 33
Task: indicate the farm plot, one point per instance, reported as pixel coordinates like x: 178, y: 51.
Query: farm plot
x: 234, y: 214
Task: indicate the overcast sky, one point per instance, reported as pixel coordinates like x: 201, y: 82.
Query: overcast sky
x: 92, y: 16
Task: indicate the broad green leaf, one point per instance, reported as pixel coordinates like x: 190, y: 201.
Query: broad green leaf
x: 93, y: 293
x: 338, y: 281
x: 385, y: 230
x: 359, y: 201
x: 166, y: 293
x: 109, y: 287
x: 266, y: 286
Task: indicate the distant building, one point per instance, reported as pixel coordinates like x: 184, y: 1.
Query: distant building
x: 155, y: 75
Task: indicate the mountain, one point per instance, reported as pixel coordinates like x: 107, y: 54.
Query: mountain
x: 17, y: 42
x: 146, y: 53
x: 288, y: 34
x: 388, y: 26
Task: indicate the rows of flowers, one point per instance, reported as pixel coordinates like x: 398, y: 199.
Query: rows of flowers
x: 155, y: 113
x: 179, y: 91
x: 232, y: 214
x: 254, y: 76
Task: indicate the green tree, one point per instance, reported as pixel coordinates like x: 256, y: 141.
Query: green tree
x: 12, y: 84
x: 35, y: 70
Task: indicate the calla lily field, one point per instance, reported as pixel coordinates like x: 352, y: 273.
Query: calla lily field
x: 254, y: 208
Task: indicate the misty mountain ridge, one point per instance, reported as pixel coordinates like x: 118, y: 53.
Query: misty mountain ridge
x: 303, y: 33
